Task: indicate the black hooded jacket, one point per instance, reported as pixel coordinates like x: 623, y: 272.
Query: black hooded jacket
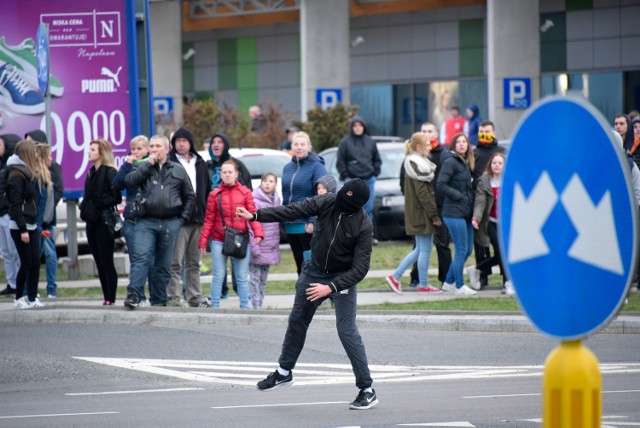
x: 358, y: 155
x: 203, y: 182
x: 10, y: 141
x: 213, y: 165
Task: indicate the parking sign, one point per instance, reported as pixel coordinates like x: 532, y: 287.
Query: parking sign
x: 517, y: 93
x: 328, y: 98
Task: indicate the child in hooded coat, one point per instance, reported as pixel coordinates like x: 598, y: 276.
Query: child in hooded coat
x: 267, y: 252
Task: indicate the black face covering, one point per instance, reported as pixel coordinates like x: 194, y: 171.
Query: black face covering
x: 352, y: 197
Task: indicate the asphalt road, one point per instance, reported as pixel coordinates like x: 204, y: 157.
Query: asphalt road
x: 69, y: 375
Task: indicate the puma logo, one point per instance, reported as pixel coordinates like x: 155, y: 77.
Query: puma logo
x: 106, y: 72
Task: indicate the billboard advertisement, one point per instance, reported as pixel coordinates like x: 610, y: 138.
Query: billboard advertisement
x: 93, y: 94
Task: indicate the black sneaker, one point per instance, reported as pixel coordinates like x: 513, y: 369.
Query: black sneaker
x: 8, y: 291
x: 364, y: 400
x: 132, y: 301
x: 275, y: 380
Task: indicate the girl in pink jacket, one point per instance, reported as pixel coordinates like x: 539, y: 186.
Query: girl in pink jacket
x: 267, y: 252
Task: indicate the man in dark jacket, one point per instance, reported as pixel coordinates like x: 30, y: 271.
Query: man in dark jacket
x: 187, y: 253
x: 48, y: 242
x: 169, y: 204
x: 7, y: 246
x: 219, y: 153
x: 340, y: 258
x: 358, y: 157
x: 487, y: 146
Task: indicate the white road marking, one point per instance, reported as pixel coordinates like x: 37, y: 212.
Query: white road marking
x: 141, y: 391
x: 462, y: 424
x: 57, y: 415
x: 251, y: 406
x: 249, y: 372
x: 536, y: 394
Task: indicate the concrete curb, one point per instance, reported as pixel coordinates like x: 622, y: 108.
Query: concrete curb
x: 430, y: 322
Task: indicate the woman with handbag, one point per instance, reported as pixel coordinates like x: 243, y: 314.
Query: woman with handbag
x: 98, y: 212
x: 229, y: 235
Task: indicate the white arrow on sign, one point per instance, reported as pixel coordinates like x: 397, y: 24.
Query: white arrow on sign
x: 597, y: 241
x: 527, y: 218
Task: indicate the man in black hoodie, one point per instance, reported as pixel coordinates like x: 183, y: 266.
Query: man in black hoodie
x: 187, y: 253
x: 358, y: 157
x: 7, y: 246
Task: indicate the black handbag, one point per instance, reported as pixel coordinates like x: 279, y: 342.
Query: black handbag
x: 113, y: 221
x: 235, y: 242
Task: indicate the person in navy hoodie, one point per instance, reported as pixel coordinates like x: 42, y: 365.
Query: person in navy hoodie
x: 298, y: 183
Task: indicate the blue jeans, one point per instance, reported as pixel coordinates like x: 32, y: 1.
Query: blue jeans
x: 241, y: 270
x: 154, y: 244
x: 421, y: 253
x: 129, y: 233
x: 461, y: 231
x: 48, y: 248
x: 302, y: 313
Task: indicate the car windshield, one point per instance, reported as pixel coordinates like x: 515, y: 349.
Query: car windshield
x: 391, y: 162
x: 258, y: 165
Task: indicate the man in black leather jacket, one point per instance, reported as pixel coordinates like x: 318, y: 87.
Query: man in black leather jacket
x: 169, y: 201
x: 340, y: 257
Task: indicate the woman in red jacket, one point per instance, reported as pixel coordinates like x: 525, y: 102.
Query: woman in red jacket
x: 231, y: 195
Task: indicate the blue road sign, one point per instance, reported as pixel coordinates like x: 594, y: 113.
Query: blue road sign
x: 568, y: 218
x: 328, y: 98
x: 517, y: 93
x: 42, y: 58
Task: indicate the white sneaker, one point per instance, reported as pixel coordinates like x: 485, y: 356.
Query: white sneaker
x: 474, y: 277
x: 21, y: 303
x: 36, y: 303
x: 448, y: 287
x: 465, y: 291
x: 508, y: 287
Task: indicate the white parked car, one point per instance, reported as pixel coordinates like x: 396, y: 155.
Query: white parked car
x: 259, y: 162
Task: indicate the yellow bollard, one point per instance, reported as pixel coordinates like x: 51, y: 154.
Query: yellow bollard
x: 572, y: 388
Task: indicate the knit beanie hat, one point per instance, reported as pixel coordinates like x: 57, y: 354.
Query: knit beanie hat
x: 328, y: 182
x: 37, y: 136
x: 182, y: 133
x: 352, y: 197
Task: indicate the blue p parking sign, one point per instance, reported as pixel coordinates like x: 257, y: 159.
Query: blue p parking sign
x: 568, y: 218
x: 328, y: 98
x: 517, y: 93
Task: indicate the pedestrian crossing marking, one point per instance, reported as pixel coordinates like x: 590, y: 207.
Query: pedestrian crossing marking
x: 249, y: 372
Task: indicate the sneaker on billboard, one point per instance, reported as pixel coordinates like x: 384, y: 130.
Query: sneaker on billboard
x: 16, y: 94
x: 365, y: 400
x: 275, y: 380
x: 465, y: 291
x: 474, y: 277
x: 429, y: 290
x: 23, y: 56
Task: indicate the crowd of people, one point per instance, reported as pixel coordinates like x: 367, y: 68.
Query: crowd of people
x: 179, y: 206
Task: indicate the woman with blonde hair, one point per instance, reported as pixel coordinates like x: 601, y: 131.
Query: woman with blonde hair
x: 98, y: 202
x: 23, y: 213
x: 298, y: 183
x: 456, y: 185
x: 420, y: 212
x: 45, y: 194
